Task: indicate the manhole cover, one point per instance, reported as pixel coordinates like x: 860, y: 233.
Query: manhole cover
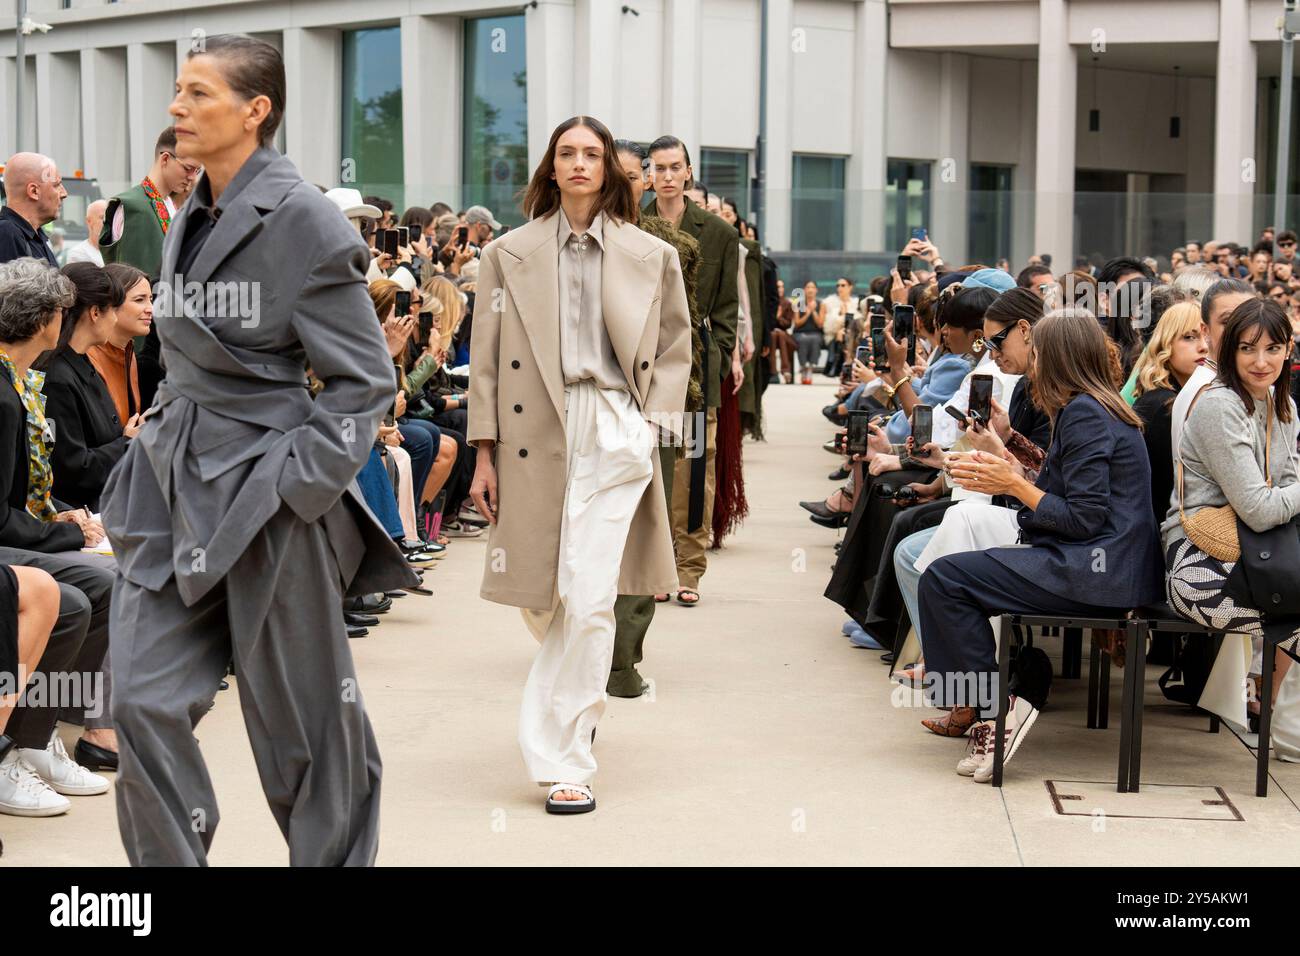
x: 1155, y: 801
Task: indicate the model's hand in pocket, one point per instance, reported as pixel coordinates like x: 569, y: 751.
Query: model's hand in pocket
x: 483, y: 489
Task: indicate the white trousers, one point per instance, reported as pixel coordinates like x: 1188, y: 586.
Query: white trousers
x: 610, y: 447
x: 970, y: 525
x: 405, y: 492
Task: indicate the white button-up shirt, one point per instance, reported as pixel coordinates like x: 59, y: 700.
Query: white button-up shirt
x: 585, y: 349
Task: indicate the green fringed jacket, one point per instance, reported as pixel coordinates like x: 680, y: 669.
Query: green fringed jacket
x: 688, y: 253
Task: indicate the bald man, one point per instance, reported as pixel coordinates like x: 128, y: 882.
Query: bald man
x: 33, y: 194
x: 88, y: 249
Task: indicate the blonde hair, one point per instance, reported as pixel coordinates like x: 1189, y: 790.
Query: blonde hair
x: 440, y: 290
x: 1153, y: 370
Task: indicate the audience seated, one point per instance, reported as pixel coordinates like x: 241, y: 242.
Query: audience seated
x: 1091, y: 542
x: 90, y: 438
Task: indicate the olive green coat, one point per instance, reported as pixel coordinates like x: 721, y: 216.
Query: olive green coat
x: 717, y: 296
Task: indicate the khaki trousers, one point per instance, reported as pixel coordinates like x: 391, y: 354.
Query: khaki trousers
x: 691, y: 547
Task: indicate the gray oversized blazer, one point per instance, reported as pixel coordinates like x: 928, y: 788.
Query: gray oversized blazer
x: 234, y: 435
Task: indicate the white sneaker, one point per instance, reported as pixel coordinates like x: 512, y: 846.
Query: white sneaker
x: 61, y: 772
x: 1020, y: 718
x: 23, y: 793
x: 977, y: 746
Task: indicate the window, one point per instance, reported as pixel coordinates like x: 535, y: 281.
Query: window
x: 817, y: 203
x: 372, y: 111
x: 907, y: 200
x: 989, y: 216
x: 726, y: 172
x: 495, y: 116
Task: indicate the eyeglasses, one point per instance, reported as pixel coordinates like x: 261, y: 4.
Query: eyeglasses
x: 995, y: 342
x: 1288, y: 244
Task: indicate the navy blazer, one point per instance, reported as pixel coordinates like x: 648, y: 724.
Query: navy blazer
x: 1093, y: 536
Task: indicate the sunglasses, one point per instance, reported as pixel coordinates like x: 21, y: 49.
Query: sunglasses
x: 995, y: 342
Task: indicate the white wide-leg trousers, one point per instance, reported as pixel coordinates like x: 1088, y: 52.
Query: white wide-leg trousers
x: 609, y: 447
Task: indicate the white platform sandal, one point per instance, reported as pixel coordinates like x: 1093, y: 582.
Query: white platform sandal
x: 570, y: 806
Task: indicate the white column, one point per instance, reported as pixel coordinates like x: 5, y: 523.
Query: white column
x: 1235, y: 166
x: 58, y: 104
x: 313, y: 111
x: 780, y: 119
x: 432, y: 81
x: 596, y: 69
x: 549, y: 62
x: 8, y: 75
x: 682, y: 51
x: 150, y: 84
x: 1022, y: 178
x: 1058, y: 81
x: 104, y: 117
x: 865, y: 176
x: 950, y: 188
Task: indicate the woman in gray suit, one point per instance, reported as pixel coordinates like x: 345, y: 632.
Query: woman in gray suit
x: 238, y: 495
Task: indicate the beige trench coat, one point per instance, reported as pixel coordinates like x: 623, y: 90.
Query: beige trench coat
x: 516, y: 397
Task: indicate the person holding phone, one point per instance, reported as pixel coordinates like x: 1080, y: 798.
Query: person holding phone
x: 567, y: 472
x: 1092, y: 547
x: 961, y: 324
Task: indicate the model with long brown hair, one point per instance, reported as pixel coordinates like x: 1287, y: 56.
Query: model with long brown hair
x: 581, y: 338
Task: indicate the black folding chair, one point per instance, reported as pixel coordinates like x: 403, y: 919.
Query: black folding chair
x: 1163, y: 618
x: 1134, y: 629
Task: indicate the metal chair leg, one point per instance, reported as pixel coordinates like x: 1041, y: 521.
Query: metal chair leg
x: 1135, y: 660
x: 1094, y: 686
x: 1004, y: 677
x: 1103, y: 702
x: 1125, y: 730
x: 1072, y: 653
x: 1265, y: 721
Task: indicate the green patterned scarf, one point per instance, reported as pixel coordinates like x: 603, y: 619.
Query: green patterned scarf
x: 40, y: 477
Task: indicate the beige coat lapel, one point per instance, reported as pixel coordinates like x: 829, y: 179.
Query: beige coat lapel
x: 628, y: 288
x: 529, y: 265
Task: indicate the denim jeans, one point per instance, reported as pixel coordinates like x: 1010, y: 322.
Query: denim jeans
x: 379, y: 495
x: 909, y: 579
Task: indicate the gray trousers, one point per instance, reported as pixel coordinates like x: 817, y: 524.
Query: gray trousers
x: 78, y: 642
x: 277, y: 613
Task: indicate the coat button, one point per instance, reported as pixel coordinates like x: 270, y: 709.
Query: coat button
x: 1264, y: 555
x: 523, y: 453
x: 1277, y: 599
x: 644, y: 366
x: 515, y: 363
x: 519, y: 408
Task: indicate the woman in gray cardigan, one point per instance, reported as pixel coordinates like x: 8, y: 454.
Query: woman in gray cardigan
x: 1224, y: 462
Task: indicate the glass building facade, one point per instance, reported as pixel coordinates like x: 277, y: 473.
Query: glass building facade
x: 372, y: 111
x: 817, y: 203
x: 495, y: 116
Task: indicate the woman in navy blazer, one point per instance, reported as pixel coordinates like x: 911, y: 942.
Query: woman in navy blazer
x: 1088, y: 541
